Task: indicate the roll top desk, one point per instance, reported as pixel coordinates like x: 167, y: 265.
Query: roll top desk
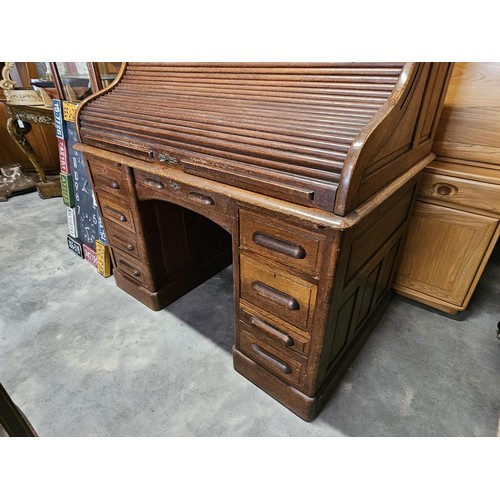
x: 302, y: 176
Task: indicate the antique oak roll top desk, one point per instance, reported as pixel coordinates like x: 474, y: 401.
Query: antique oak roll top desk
x: 302, y: 176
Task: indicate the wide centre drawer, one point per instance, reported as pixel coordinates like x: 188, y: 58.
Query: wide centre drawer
x: 460, y: 192
x: 197, y: 198
x: 288, y: 297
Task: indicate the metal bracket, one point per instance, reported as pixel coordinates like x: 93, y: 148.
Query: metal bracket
x: 165, y: 158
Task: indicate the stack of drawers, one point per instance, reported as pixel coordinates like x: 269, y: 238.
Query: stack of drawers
x: 279, y: 279
x: 113, y: 191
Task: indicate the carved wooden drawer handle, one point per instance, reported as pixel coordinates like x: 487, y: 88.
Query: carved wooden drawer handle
x: 444, y: 189
x: 280, y: 298
x: 135, y: 271
x: 274, y: 333
x: 115, y: 185
x: 203, y: 199
x: 272, y: 360
x: 155, y: 183
x: 280, y: 246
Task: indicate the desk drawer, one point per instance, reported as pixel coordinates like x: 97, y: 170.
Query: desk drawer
x: 112, y: 182
x: 107, y: 174
x: 276, y: 334
x: 290, y: 245
x: 122, y: 239
x: 199, y: 199
x: 460, y: 192
x: 129, y: 266
x: 285, y: 296
x: 115, y: 211
x: 284, y: 365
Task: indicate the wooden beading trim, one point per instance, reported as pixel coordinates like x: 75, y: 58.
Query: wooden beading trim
x: 305, y: 214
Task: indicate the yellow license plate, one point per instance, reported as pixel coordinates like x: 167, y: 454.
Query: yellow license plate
x: 103, y: 259
x: 69, y: 111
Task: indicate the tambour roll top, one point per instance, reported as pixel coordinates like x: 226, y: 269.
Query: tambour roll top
x: 327, y: 136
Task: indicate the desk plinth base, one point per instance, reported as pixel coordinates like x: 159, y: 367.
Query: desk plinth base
x: 302, y: 405
x: 149, y: 299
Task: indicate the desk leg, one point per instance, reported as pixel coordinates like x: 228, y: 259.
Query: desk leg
x: 47, y: 188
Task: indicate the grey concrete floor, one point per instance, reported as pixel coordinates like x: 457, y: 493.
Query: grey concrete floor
x: 82, y: 358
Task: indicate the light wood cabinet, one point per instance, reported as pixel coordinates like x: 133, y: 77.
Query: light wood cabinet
x: 445, y: 248
x: 455, y: 224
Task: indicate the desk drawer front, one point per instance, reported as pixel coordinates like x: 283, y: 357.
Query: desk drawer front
x: 111, y: 182
x: 197, y: 198
x: 129, y: 266
x: 116, y: 212
x: 288, y: 297
x: 97, y: 164
x: 461, y: 192
x: 276, y: 361
x: 121, y: 239
x: 289, y: 245
x: 270, y: 331
x: 109, y: 168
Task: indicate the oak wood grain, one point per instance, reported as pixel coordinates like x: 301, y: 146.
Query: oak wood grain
x: 452, y: 243
x: 470, y: 124
x: 274, y: 128
x: 453, y: 231
x: 479, y: 197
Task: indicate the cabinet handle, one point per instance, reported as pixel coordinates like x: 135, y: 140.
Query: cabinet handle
x: 130, y: 247
x: 280, y: 246
x: 123, y: 218
x: 272, y: 360
x: 274, y: 333
x: 115, y: 185
x: 155, y: 184
x: 203, y: 199
x: 444, y: 189
x: 280, y: 298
